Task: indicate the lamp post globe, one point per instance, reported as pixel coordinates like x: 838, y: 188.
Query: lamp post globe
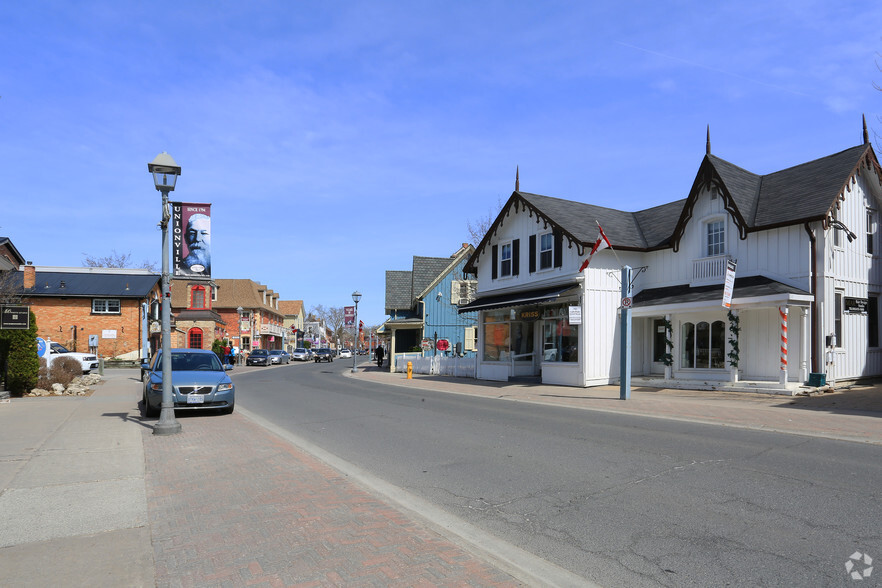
x: 165, y: 175
x: 356, y: 296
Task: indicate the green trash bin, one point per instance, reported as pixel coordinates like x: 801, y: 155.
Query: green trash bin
x: 817, y: 380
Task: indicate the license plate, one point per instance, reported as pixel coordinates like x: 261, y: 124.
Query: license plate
x: 195, y: 399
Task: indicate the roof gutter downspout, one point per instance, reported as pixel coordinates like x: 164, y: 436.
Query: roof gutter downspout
x: 814, y: 291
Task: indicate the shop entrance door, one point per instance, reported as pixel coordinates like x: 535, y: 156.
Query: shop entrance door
x: 659, y: 347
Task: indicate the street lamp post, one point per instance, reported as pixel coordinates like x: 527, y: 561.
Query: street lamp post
x: 239, y: 311
x: 356, y: 296
x: 165, y: 173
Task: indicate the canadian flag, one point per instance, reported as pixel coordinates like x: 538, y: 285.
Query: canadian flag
x: 601, y: 243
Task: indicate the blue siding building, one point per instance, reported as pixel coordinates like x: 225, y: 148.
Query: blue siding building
x: 423, y: 304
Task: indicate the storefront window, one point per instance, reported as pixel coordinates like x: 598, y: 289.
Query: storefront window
x: 496, y: 341
x: 560, y: 341
x: 504, y: 337
x: 703, y: 345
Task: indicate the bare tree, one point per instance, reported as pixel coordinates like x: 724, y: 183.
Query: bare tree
x: 10, y: 288
x: 479, y: 227
x: 116, y: 260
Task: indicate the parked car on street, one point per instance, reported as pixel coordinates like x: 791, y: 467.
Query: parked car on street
x: 259, y: 357
x: 279, y: 356
x: 300, y: 354
x: 345, y: 353
x: 323, y: 354
x: 199, y: 381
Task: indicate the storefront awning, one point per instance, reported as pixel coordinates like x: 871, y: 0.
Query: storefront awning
x: 747, y: 290
x: 517, y: 298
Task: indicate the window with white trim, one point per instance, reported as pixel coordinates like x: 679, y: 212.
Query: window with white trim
x: 716, y: 238
x: 871, y: 230
x: 106, y: 306
x: 546, y: 250
x: 471, y: 339
x: 505, y: 260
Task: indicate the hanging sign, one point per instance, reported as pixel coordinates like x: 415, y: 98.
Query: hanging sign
x: 15, y: 317
x: 856, y: 305
x: 575, y: 317
x: 730, y: 283
x: 348, y: 316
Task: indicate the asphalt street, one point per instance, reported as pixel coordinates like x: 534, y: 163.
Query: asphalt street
x: 615, y: 498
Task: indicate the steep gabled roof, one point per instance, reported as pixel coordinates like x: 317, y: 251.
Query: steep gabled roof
x: 425, y: 270
x: 453, y: 261
x: 399, y: 290
x: 803, y: 193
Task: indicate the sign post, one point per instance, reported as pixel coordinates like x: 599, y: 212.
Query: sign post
x: 625, y: 358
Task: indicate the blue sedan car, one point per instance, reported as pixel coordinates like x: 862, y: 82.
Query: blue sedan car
x: 199, y: 381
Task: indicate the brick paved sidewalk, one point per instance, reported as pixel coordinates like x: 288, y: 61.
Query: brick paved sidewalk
x: 230, y: 504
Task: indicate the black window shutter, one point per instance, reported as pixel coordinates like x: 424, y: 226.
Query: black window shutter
x: 558, y: 249
x: 532, y: 253
x: 515, y: 257
x: 495, y: 261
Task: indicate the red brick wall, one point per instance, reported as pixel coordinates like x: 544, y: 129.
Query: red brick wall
x: 56, y: 317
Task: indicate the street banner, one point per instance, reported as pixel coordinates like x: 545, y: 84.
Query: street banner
x: 730, y: 283
x: 191, y: 240
x: 348, y: 316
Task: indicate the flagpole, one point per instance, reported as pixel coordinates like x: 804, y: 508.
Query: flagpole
x: 599, y: 228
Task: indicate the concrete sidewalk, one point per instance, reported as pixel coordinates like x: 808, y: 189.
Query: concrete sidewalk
x: 849, y: 414
x: 90, y: 497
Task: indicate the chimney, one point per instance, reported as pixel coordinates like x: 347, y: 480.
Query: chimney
x: 30, y: 276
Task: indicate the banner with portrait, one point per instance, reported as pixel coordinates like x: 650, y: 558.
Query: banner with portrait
x: 191, y: 240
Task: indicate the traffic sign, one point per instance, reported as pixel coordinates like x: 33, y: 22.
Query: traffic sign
x: 626, y: 302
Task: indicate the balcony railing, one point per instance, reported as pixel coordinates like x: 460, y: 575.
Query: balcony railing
x: 709, y: 270
x: 271, y: 330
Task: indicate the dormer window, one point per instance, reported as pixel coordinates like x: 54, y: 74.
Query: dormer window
x: 716, y: 238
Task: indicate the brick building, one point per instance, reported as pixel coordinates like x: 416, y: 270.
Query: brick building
x: 108, y: 311
x: 204, y: 311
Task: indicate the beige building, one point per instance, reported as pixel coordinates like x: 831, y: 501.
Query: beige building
x: 292, y: 323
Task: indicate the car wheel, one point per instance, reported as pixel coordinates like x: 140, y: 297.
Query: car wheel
x: 148, y: 411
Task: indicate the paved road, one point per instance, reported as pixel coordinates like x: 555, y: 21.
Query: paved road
x: 615, y: 498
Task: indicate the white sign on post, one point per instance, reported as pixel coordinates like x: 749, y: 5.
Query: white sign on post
x: 730, y: 283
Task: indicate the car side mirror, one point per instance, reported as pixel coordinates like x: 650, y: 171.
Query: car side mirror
x: 228, y: 366
x: 145, y: 365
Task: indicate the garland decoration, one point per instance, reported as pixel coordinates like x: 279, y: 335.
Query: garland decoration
x: 734, y: 331
x: 669, y: 357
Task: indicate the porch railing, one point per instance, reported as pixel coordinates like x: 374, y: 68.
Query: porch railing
x: 709, y: 270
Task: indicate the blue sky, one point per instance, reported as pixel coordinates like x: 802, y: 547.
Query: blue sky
x: 336, y: 140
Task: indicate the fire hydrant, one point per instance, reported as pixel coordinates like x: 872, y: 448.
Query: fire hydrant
x: 410, y: 370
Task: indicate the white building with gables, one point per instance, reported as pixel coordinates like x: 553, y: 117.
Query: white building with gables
x: 805, y: 302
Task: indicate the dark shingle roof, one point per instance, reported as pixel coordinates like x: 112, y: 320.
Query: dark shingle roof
x: 805, y: 191
x: 795, y: 195
x: 425, y: 270
x: 89, y: 283
x: 399, y: 291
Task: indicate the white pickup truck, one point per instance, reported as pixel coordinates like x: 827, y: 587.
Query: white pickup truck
x: 87, y: 360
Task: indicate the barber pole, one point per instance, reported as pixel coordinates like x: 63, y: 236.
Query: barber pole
x: 782, y: 311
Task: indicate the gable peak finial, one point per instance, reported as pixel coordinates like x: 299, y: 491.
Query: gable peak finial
x: 518, y: 179
x: 866, y: 134
x: 707, y: 147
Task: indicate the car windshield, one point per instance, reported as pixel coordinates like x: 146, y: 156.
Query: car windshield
x: 300, y: 350
x: 187, y: 362
x: 275, y: 352
x: 58, y: 348
x: 260, y: 352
